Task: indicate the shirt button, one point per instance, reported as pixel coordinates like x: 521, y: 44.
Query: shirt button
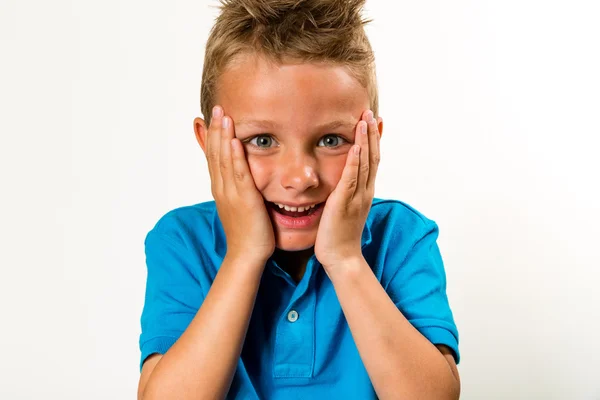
x: 293, y: 316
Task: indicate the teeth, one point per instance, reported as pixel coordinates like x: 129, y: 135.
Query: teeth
x: 295, y: 209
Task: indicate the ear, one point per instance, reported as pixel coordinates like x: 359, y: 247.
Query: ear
x: 200, y: 131
x: 380, y: 126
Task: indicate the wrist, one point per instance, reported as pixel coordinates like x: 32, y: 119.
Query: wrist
x: 345, y: 267
x: 250, y: 260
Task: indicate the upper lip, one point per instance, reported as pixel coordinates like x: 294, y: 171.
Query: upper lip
x: 295, y: 204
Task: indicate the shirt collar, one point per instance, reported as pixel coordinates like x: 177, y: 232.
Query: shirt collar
x: 220, y: 240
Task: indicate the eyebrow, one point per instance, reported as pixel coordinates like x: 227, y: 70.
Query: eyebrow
x: 270, y: 125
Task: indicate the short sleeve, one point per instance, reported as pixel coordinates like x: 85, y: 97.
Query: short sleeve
x: 173, y: 294
x: 418, y: 289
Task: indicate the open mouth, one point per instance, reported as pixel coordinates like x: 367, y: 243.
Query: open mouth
x: 294, y: 214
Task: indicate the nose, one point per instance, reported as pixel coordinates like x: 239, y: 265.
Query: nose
x: 299, y: 173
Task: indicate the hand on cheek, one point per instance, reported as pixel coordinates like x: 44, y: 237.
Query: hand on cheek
x: 240, y: 205
x: 346, y: 210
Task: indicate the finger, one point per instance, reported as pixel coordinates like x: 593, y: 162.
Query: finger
x: 241, y: 171
x: 213, y: 146
x: 225, y: 161
x: 349, y: 180
x: 362, y: 138
x: 374, y: 155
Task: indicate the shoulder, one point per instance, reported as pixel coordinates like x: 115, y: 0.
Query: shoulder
x: 397, y: 218
x: 185, y: 224
x: 395, y: 230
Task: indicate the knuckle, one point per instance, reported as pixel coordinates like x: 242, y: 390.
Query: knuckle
x: 239, y: 175
x: 351, y: 183
x: 212, y: 156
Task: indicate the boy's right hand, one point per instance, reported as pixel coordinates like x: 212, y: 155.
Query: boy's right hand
x: 240, y: 205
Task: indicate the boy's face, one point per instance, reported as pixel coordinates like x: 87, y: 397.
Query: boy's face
x: 280, y: 114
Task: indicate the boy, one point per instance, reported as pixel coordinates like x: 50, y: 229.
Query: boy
x: 295, y: 283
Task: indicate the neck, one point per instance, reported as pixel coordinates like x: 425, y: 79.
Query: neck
x: 293, y: 262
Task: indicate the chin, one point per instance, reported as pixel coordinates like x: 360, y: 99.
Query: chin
x: 294, y: 241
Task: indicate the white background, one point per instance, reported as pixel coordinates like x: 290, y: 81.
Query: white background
x: 491, y: 113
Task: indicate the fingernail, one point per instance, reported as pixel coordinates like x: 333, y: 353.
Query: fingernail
x: 369, y: 116
x: 356, y: 150
x: 226, y: 123
x: 363, y: 127
x: 217, y: 111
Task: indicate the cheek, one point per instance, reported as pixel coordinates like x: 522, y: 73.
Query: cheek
x: 331, y: 171
x: 261, y: 171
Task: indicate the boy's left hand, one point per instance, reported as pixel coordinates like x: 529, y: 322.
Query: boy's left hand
x: 345, y: 213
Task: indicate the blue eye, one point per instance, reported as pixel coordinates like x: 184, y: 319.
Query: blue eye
x: 261, y: 141
x: 331, y: 140
x: 265, y: 142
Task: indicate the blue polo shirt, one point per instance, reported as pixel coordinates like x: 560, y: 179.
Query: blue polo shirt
x: 298, y: 345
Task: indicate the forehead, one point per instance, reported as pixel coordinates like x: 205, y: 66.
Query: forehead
x: 291, y: 93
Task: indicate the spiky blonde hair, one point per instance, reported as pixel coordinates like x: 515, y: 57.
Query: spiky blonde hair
x: 330, y: 31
